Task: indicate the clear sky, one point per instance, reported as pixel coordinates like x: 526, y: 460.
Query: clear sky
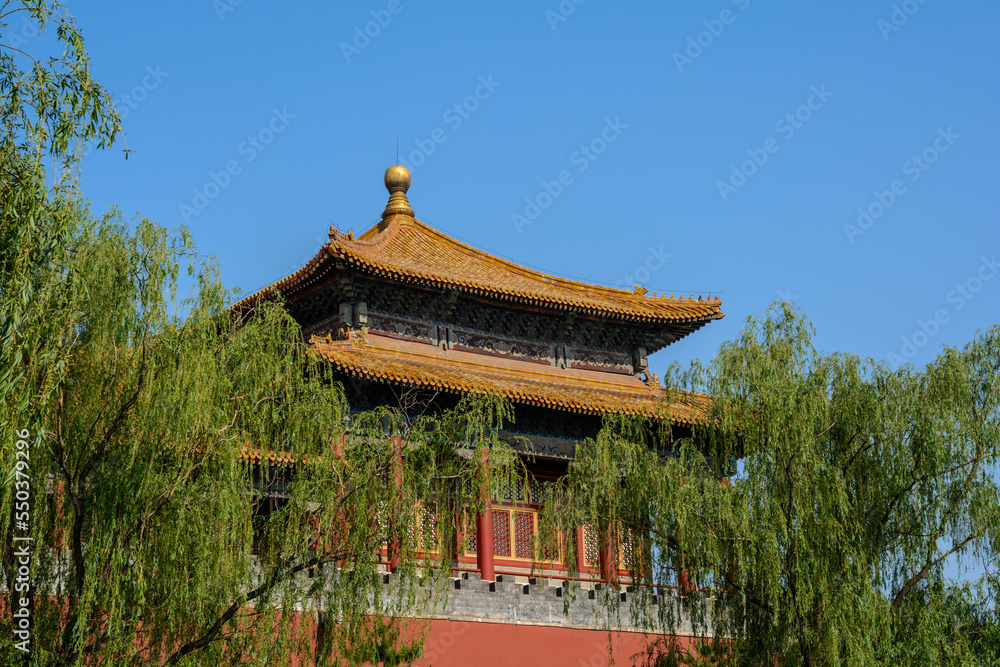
x: 843, y: 155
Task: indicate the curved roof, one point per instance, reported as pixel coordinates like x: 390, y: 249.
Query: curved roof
x: 416, y: 365
x: 407, y: 250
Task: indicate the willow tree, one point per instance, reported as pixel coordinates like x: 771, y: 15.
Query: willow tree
x: 140, y: 414
x: 857, y: 488
x: 144, y: 516
x: 49, y: 106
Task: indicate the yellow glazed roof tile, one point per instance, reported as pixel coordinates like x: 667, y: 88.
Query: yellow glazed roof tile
x: 460, y: 372
x: 408, y: 250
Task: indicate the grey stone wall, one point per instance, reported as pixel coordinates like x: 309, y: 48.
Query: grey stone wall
x: 562, y: 603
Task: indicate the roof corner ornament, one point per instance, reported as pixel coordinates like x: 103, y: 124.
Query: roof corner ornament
x: 651, y: 379
x: 640, y: 290
x: 397, y: 182
x: 359, y: 339
x: 335, y: 233
x: 325, y: 339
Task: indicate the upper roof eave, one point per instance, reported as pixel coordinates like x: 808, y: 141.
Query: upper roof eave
x: 407, y: 250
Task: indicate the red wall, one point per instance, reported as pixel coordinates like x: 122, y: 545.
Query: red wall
x: 467, y: 643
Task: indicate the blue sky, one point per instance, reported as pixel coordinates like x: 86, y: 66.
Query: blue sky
x: 719, y: 147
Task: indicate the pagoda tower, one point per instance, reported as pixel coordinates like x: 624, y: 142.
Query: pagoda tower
x: 404, y: 307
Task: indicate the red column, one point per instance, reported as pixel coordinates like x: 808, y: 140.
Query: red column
x: 684, y: 585
x: 605, y: 555
x: 484, y: 545
x: 484, y: 536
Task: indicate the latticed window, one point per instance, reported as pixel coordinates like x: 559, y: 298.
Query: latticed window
x: 537, y: 491
x: 412, y: 533
x: 515, y: 535
x: 501, y: 533
x: 512, y: 492
x: 591, y: 546
x: 471, y: 543
x: 428, y: 526
x: 423, y: 530
x: 468, y: 538
x: 382, y: 520
x: 630, y: 559
x: 524, y: 534
x: 550, y: 553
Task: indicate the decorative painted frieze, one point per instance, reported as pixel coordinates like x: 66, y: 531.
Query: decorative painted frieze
x: 450, y: 337
x: 600, y: 360
x: 539, y: 353
x: 539, y: 445
x: 398, y: 327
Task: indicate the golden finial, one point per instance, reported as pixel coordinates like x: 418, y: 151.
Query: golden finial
x: 397, y: 182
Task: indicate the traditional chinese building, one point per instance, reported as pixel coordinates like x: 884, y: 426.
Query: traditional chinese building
x: 405, y: 307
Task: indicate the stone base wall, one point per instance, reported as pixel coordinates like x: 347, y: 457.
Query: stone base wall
x: 560, y: 603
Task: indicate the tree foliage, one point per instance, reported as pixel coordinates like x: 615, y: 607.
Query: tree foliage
x: 49, y: 102
x: 142, y: 411
x: 49, y: 106
x: 856, y: 485
x: 148, y: 516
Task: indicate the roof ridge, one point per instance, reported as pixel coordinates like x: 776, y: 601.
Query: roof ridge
x: 411, y: 250
x: 397, y: 222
